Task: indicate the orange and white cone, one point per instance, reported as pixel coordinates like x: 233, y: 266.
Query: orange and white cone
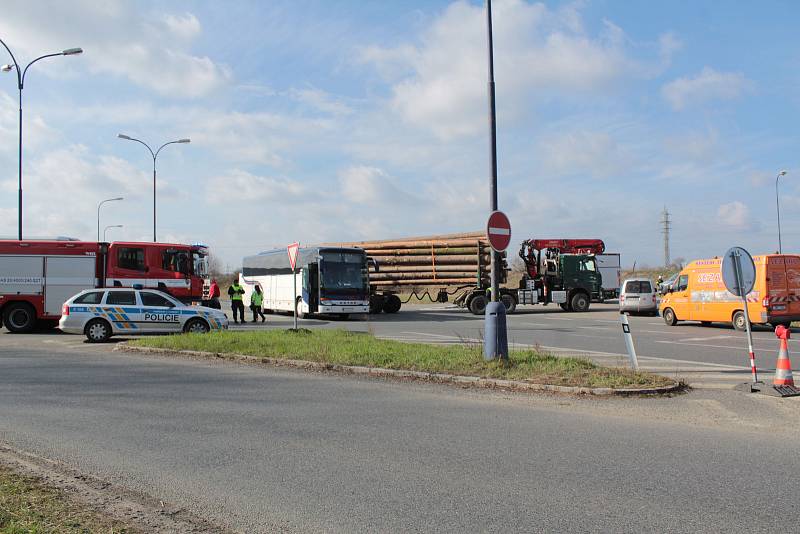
x: 783, y: 369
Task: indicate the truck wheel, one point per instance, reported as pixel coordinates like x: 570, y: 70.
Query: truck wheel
x: 509, y: 302
x: 580, y: 302
x: 196, y: 326
x: 19, y: 317
x: 376, y: 303
x: 565, y: 306
x: 97, y: 331
x: 669, y: 317
x: 392, y: 304
x: 477, y: 304
x: 739, y: 322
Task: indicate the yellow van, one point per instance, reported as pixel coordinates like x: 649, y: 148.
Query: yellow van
x: 698, y: 294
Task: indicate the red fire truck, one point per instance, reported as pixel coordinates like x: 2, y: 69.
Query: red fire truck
x: 36, y: 277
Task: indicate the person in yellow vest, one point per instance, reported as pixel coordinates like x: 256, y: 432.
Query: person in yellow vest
x: 256, y: 299
x: 235, y: 292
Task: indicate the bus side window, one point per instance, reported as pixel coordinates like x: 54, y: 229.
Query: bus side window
x: 305, y: 279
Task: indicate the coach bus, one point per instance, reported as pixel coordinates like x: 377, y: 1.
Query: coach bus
x: 330, y: 281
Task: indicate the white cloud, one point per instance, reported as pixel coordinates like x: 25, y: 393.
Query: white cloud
x: 735, y: 215
x: 246, y: 187
x: 321, y: 101
x: 120, y: 38
x: 587, y: 153
x: 708, y: 85
x: 536, y: 49
x: 362, y: 184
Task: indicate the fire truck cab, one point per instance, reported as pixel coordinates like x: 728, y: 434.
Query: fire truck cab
x: 37, y: 277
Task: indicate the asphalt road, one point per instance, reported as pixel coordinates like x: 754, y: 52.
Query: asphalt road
x: 263, y: 449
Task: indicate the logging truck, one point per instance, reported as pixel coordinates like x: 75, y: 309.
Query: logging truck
x: 558, y: 271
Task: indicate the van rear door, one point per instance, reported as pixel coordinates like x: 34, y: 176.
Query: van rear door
x: 792, y: 266
x: 777, y: 286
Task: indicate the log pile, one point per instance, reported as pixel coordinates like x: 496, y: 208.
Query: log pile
x: 439, y: 260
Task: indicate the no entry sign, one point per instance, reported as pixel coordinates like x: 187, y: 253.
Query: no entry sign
x: 292, y: 249
x: 498, y: 230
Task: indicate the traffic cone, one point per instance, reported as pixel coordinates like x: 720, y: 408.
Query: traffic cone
x: 783, y: 368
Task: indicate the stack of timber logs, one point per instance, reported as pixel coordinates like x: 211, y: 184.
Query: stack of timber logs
x: 438, y: 260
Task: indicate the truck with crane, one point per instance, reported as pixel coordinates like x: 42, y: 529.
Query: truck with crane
x: 37, y: 276
x: 557, y: 271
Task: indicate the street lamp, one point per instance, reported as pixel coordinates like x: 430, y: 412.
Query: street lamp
x: 98, y: 213
x: 778, y: 209
x: 155, y: 155
x: 106, y: 230
x: 21, y: 85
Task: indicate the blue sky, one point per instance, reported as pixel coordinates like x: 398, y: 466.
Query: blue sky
x: 325, y: 121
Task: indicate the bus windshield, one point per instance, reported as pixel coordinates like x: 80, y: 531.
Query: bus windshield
x: 343, y: 274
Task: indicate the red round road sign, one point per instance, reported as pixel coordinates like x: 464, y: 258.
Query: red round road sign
x: 498, y: 230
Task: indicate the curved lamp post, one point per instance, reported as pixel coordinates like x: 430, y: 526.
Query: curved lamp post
x: 98, y: 214
x: 778, y: 210
x: 106, y: 230
x: 21, y: 85
x: 155, y: 155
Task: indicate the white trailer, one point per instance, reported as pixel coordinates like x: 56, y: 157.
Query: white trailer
x: 329, y: 280
x: 609, y: 267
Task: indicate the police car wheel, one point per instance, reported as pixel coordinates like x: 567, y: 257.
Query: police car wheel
x: 196, y: 326
x: 97, y: 331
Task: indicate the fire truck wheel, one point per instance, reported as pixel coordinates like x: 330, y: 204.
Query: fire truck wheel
x: 477, y: 304
x: 580, y: 302
x: 196, y: 326
x: 739, y: 322
x: 392, y: 304
x: 509, y: 302
x: 97, y: 330
x: 19, y: 317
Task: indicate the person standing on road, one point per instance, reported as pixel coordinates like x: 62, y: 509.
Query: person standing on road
x: 235, y: 292
x: 213, y: 295
x: 256, y: 299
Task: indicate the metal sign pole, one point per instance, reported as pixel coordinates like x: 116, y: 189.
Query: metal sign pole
x: 294, y: 282
x: 737, y: 269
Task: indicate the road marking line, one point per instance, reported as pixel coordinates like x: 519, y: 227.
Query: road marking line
x: 706, y: 338
x: 761, y: 349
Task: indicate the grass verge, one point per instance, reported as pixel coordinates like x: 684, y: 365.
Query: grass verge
x: 355, y: 348
x: 29, y: 507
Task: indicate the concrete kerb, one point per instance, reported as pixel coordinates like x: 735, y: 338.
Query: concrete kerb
x: 443, y: 378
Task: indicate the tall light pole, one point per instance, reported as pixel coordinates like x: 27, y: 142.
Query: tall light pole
x: 106, y: 230
x: 155, y: 155
x: 20, y: 86
x: 496, y: 344
x: 778, y: 210
x: 98, y: 213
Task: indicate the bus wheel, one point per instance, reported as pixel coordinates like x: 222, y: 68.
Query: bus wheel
x: 19, y: 317
x: 392, y: 304
x: 739, y: 322
x: 669, y: 317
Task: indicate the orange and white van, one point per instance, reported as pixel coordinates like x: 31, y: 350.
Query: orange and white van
x: 698, y: 294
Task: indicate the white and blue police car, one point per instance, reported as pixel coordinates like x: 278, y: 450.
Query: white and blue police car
x: 103, y: 312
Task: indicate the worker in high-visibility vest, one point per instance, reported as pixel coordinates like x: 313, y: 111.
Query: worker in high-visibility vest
x: 256, y: 299
x: 235, y: 292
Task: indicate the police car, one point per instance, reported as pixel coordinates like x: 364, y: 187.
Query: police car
x: 101, y: 313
